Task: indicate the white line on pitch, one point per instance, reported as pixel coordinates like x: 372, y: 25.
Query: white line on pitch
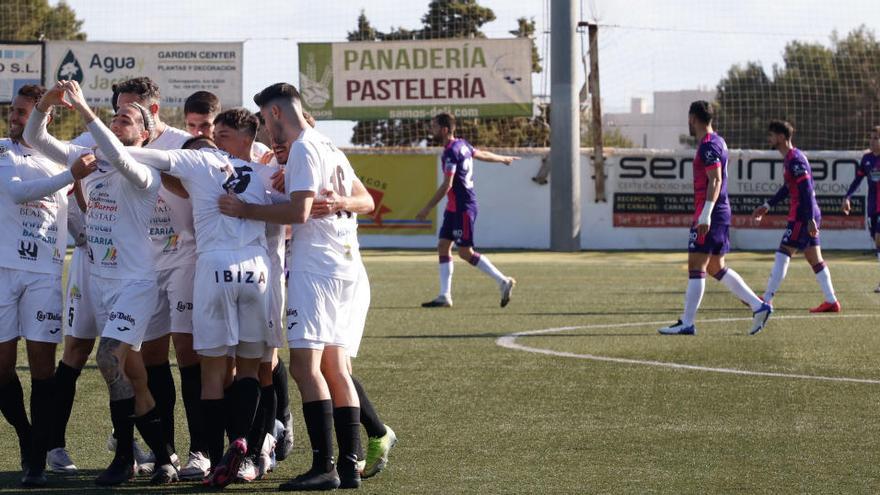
x: 509, y: 341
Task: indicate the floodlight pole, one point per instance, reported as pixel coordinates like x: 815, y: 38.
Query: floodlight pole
x: 565, y: 184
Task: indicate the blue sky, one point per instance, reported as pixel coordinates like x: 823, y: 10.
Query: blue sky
x: 645, y: 45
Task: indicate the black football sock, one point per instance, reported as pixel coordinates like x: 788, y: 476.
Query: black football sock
x: 65, y: 392
x: 319, y: 424
x: 153, y: 432
x: 282, y: 396
x: 12, y: 407
x: 229, y: 395
x: 246, y: 402
x: 258, y: 431
x: 42, y: 395
x: 369, y: 417
x: 161, y: 385
x: 214, y: 411
x: 269, y: 408
x: 191, y: 389
x: 121, y: 413
x: 347, y: 421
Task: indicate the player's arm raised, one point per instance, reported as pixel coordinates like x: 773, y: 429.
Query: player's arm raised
x: 117, y: 155
x: 444, y: 188
x: 488, y: 156
x: 35, y: 132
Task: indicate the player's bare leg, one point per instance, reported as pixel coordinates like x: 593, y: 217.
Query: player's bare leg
x: 446, y: 268
x: 111, y: 358
x: 813, y: 255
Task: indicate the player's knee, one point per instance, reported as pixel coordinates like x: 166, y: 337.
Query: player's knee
x: 108, y: 363
x: 76, y: 352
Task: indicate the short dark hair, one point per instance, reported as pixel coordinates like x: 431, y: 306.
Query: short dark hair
x: 276, y: 91
x: 193, y: 142
x: 702, y: 110
x: 781, y: 127
x: 114, y: 100
x: 203, y: 102
x: 32, y: 91
x: 445, y: 120
x: 240, y: 119
x: 309, y: 118
x: 144, y: 87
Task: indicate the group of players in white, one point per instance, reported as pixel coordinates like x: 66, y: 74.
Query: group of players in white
x: 180, y: 237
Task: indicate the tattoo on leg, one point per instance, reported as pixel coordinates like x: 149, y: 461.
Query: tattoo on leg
x: 117, y: 383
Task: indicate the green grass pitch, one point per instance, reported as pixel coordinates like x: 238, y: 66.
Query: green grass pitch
x: 474, y: 417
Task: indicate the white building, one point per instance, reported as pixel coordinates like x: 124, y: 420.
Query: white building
x: 662, y: 128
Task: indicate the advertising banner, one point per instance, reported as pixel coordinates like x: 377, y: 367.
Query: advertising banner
x: 179, y: 69
x: 400, y: 185
x: 416, y: 79
x: 655, y: 188
x: 20, y: 64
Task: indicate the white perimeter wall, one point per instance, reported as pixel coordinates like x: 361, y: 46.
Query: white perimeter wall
x: 514, y: 212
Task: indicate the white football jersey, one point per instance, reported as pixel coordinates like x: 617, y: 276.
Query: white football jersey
x: 326, y: 246
x: 33, y: 237
x: 204, y: 175
x: 171, y: 227
x: 76, y: 222
x: 117, y: 221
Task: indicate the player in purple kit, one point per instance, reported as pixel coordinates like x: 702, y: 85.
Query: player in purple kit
x: 869, y: 167
x: 461, y: 210
x: 709, y: 240
x: 804, y: 217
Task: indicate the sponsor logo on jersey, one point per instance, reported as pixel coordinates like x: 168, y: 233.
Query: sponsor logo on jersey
x: 110, y: 255
x: 28, y: 250
x: 171, y: 243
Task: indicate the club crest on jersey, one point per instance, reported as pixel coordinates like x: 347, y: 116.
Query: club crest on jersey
x: 75, y: 292
x: 239, y: 182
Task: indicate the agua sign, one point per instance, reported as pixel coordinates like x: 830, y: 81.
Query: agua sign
x: 179, y: 69
x: 417, y: 79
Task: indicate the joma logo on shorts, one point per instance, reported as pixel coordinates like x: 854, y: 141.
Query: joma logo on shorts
x: 122, y: 316
x: 247, y: 277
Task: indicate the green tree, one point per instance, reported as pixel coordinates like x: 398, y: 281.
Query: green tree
x: 831, y: 94
x: 452, y: 19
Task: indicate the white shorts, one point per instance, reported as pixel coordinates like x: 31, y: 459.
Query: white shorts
x: 174, y: 309
x: 79, y: 320
x: 326, y: 311
x: 123, y: 308
x: 30, y: 306
x: 232, y: 303
x: 245, y: 350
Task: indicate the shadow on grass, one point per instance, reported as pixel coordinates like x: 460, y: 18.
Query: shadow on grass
x: 83, y: 482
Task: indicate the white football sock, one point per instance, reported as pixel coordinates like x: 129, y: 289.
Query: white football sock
x: 738, y: 286
x: 777, y: 275
x: 692, y: 298
x: 488, y: 268
x: 823, y: 276
x: 446, y: 269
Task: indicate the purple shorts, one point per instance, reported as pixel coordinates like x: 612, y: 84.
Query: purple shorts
x: 874, y: 225
x: 716, y: 242
x: 797, y: 235
x: 458, y: 226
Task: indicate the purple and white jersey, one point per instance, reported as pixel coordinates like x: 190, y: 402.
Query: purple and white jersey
x: 869, y: 167
x: 458, y: 161
x: 711, y: 153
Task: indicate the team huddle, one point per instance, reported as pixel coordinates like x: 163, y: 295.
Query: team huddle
x: 207, y: 239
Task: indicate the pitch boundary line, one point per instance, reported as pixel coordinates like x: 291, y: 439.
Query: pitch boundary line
x: 509, y: 342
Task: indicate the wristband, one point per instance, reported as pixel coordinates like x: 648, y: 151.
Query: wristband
x: 706, y: 214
